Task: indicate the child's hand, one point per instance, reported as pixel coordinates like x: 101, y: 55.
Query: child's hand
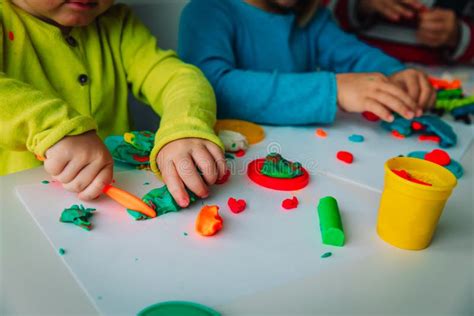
x: 81, y: 163
x: 179, y: 162
x: 416, y: 84
x: 375, y: 93
x: 439, y: 27
x: 392, y: 10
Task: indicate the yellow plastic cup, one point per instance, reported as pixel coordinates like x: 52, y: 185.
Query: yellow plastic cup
x: 409, y: 212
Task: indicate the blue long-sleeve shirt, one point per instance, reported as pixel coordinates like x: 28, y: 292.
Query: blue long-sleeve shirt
x: 267, y: 69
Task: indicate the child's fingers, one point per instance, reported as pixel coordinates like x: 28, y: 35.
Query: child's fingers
x: 430, y: 39
x: 94, y: 189
x: 174, y: 183
x: 414, y: 4
x: 432, y: 100
x: 433, y: 26
x: 398, y: 93
x: 55, y: 166
x: 403, y: 11
x: 379, y: 109
x: 191, y: 178
x: 84, y: 178
x: 412, y: 85
x: 206, y: 164
x: 434, y: 15
x: 427, y: 92
x: 394, y: 103
x: 72, y: 170
x: 219, y: 158
x: 390, y: 14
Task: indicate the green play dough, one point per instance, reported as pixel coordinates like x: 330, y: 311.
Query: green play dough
x: 178, y: 308
x: 326, y: 255
x: 330, y: 222
x: 61, y: 251
x: 161, y: 201
x: 276, y: 166
x: 141, y: 140
x: 77, y: 215
x: 45, y: 182
x: 125, y: 153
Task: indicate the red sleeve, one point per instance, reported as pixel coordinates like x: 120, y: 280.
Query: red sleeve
x: 340, y: 9
x: 467, y: 43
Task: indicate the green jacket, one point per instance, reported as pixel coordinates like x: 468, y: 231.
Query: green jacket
x: 52, y: 85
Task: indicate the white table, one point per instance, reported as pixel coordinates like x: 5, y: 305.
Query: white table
x: 438, y: 280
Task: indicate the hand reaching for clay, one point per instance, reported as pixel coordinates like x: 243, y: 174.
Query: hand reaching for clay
x: 375, y: 93
x: 180, y: 162
x: 418, y: 87
x: 81, y: 163
x: 393, y: 10
x: 439, y: 27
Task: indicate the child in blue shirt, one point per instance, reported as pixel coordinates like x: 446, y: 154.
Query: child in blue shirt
x: 286, y: 62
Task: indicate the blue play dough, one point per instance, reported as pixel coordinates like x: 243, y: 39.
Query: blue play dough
x: 433, y: 125
x: 356, y: 138
x: 455, y: 167
x: 463, y: 110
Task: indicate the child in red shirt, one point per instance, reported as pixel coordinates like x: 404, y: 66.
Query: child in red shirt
x: 430, y: 32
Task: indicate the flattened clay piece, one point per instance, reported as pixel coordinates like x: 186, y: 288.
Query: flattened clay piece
x: 396, y: 134
x: 453, y: 166
x: 429, y: 138
x: 78, y: 215
x: 432, y: 125
x: 439, y: 157
x: 253, y: 133
x: 233, y: 141
x: 240, y: 153
x: 369, y: 116
x: 276, y: 166
x: 345, y: 156
x: 236, y: 206
x: 321, y: 133
x: 407, y: 176
x: 289, y: 204
x: 162, y: 202
x: 355, y: 138
x: 140, y: 140
x: 225, y: 178
x: 208, y: 221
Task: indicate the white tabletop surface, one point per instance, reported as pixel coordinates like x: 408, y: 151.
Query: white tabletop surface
x: 388, y: 281
x: 438, y: 280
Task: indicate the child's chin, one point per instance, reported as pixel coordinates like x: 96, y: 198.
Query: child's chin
x: 76, y: 21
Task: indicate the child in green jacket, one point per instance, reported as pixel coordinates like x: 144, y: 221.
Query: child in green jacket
x: 65, y: 70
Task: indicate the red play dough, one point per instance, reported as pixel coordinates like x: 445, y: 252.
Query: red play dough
x: 369, y: 116
x: 141, y: 158
x: 240, y: 153
x: 225, y: 178
x: 439, y: 157
x: 11, y: 36
x: 345, y: 156
x: 236, y: 206
x: 417, y: 126
x: 405, y: 175
x: 253, y: 172
x: 396, y: 134
x: 429, y: 138
x: 289, y: 204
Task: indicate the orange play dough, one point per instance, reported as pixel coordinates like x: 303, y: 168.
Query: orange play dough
x: 208, y: 221
x: 253, y: 132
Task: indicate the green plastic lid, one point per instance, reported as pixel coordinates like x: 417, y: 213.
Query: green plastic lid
x: 178, y: 308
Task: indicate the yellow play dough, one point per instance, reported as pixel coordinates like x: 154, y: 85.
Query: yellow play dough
x: 253, y: 132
